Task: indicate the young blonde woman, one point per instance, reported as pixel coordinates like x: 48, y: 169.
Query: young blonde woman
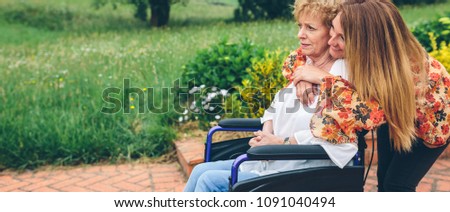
x: 391, y: 80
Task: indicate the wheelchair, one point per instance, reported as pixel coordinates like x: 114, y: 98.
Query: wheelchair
x: 315, y: 179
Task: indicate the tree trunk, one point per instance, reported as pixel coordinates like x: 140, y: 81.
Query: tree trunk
x: 160, y: 12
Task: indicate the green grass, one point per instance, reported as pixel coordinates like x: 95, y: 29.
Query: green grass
x: 53, y: 76
x: 414, y: 15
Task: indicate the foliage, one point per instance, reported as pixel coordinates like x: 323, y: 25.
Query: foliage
x: 212, y: 76
x: 263, y: 9
x: 222, y: 65
x: 439, y: 27
x: 442, y: 54
x: 263, y: 82
x: 248, y: 99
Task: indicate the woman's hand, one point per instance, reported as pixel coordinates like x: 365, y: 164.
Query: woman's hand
x: 306, y: 92
x: 305, y: 79
x: 264, y: 138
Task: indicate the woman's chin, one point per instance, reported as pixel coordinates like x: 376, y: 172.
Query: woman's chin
x: 337, y: 54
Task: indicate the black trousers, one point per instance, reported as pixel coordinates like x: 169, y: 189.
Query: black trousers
x: 402, y: 171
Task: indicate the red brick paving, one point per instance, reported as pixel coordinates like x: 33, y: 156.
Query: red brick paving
x: 152, y: 177
x: 126, y: 177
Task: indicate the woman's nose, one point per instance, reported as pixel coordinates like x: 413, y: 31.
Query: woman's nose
x: 301, y: 34
x: 331, y: 41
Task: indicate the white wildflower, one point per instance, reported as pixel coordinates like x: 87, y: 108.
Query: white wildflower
x: 223, y: 92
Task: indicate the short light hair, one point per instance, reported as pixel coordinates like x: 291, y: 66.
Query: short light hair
x: 324, y: 9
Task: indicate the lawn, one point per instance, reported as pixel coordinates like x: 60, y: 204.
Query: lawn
x: 58, y: 56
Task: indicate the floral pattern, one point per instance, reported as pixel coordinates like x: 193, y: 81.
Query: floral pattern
x: 342, y: 110
x: 341, y: 113
x: 292, y: 62
x: 433, y: 119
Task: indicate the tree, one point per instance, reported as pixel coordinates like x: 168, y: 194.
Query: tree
x: 159, y: 9
x: 160, y: 12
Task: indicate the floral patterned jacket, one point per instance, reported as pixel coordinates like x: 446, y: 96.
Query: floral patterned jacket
x: 341, y: 113
x: 292, y: 62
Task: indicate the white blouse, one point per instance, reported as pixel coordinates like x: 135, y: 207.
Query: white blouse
x: 291, y: 119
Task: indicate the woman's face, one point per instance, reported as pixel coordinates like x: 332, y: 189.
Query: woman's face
x: 337, y: 42
x: 313, y: 35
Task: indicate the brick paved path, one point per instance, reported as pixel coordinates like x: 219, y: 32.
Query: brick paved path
x: 154, y: 177
x: 112, y: 178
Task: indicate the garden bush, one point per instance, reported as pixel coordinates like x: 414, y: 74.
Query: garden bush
x: 260, y: 81
x: 211, y: 77
x: 439, y: 27
x: 264, y: 80
x: 223, y: 65
x: 441, y: 52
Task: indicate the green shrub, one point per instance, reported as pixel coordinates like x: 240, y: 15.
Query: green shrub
x: 439, y: 27
x: 222, y: 65
x: 263, y: 9
x: 211, y: 77
x: 441, y: 52
x: 249, y: 99
x: 264, y: 80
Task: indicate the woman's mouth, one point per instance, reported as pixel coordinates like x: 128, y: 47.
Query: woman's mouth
x: 305, y: 45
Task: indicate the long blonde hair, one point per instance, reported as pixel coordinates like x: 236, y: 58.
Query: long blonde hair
x: 380, y: 52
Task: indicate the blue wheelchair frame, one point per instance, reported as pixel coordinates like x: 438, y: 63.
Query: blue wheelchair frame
x: 355, y: 173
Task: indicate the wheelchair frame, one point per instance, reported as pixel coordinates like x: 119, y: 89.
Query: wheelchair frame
x: 355, y: 173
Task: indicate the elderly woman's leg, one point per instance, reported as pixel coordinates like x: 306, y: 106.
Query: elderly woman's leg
x: 218, y: 180
x: 202, y: 168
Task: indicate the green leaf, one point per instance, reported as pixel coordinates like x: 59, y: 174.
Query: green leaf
x: 231, y: 78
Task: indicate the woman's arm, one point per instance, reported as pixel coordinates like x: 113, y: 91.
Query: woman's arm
x: 341, y: 113
x: 268, y: 126
x: 309, y: 73
x: 304, y: 79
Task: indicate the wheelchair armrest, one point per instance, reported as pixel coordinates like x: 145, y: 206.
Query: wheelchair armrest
x: 235, y: 124
x: 241, y: 123
x: 278, y: 152
x: 287, y: 152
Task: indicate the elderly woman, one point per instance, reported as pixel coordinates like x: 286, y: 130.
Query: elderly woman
x: 282, y: 124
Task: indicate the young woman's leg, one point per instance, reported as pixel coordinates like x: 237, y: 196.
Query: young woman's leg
x: 385, y: 154
x: 407, y: 169
x: 403, y: 171
x: 202, y: 168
